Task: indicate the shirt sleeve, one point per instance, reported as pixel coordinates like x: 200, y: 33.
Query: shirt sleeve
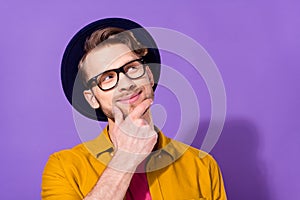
x: 218, y: 189
x: 55, y: 185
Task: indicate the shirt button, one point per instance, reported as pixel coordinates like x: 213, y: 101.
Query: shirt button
x: 112, y: 154
x: 159, y: 156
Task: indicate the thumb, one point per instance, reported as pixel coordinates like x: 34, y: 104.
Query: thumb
x: 118, y: 115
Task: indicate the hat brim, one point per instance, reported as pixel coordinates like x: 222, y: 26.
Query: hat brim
x: 71, y: 83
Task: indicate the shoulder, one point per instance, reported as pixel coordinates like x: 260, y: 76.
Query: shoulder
x: 76, y: 150
x: 62, y: 173
x: 71, y: 156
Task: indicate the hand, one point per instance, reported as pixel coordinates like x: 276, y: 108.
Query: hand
x: 133, y: 137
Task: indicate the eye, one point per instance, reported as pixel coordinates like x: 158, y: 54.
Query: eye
x: 132, y: 68
x: 106, y: 77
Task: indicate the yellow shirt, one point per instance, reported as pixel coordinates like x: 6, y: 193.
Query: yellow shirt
x: 174, y: 171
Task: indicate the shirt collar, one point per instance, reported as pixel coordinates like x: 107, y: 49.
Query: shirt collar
x: 102, y: 148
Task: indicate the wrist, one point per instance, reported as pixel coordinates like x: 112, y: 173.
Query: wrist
x: 124, y: 161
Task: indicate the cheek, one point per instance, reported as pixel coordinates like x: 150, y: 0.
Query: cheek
x: 148, y: 90
x: 105, y: 99
x: 144, y: 82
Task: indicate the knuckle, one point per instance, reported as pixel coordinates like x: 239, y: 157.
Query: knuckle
x: 140, y: 122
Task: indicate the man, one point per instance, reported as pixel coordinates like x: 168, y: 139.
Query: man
x: 118, y: 65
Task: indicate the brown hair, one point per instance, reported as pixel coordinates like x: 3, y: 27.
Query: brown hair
x: 111, y: 35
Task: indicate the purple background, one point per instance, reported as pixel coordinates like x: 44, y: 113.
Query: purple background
x: 254, y: 43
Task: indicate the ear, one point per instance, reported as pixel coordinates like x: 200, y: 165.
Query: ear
x: 150, y: 75
x: 91, y: 99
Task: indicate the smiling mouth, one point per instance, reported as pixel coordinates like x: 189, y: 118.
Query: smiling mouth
x: 131, y: 98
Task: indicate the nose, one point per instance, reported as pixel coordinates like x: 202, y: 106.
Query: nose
x: 125, y: 83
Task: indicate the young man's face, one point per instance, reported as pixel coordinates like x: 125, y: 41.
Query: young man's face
x: 128, y: 93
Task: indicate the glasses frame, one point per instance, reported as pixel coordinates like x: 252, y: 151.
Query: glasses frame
x: 118, y: 70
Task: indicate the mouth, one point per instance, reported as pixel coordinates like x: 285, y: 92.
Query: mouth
x: 130, y: 99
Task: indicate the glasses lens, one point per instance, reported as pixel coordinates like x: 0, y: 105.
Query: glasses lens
x: 134, y: 70
x: 107, y: 80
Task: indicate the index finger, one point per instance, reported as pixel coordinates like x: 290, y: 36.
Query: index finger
x: 140, y: 109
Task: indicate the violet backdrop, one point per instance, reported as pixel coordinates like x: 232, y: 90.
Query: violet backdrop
x: 255, y: 45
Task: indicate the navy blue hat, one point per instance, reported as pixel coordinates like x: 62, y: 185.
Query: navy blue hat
x: 73, y: 86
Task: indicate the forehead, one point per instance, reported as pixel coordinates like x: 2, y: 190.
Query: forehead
x: 107, y: 57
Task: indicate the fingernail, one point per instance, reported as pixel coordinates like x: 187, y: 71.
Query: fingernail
x: 151, y: 101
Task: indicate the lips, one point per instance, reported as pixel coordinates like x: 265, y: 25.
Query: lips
x: 130, y: 99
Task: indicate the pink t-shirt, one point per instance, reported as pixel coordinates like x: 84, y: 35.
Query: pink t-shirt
x: 138, y: 188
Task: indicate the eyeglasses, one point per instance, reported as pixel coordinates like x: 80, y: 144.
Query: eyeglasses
x: 109, y: 79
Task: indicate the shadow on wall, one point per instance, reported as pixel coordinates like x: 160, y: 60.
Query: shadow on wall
x: 237, y: 152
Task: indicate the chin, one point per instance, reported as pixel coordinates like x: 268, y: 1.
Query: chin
x: 128, y: 108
